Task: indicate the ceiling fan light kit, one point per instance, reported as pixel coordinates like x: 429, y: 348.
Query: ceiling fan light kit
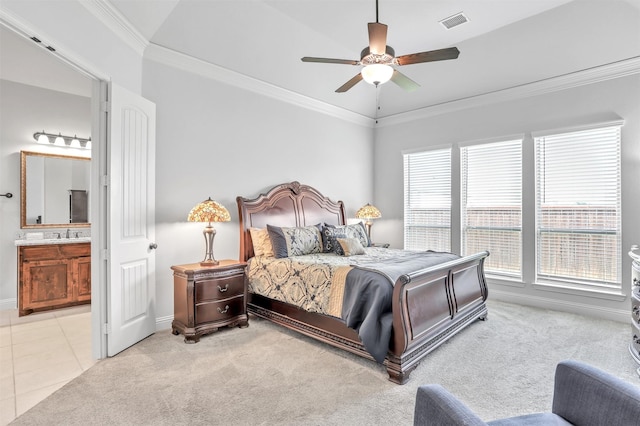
x: 377, y: 73
x: 377, y: 60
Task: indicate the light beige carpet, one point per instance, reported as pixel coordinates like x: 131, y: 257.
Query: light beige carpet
x: 267, y: 375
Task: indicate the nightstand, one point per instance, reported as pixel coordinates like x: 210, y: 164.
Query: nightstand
x: 206, y: 298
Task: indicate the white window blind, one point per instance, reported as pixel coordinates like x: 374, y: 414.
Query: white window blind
x: 578, y: 207
x: 427, y: 200
x: 492, y: 204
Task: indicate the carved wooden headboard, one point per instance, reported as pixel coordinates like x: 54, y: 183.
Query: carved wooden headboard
x: 288, y: 204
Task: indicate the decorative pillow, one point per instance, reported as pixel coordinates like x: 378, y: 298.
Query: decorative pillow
x: 351, y: 246
x: 356, y: 230
x: 261, y: 242
x: 330, y: 234
x: 295, y: 241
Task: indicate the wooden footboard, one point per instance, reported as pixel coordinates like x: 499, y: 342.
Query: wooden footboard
x: 430, y: 306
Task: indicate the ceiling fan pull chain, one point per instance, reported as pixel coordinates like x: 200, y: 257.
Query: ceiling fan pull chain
x: 377, y: 101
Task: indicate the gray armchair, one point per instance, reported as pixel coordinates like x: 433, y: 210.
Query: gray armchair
x: 583, y: 395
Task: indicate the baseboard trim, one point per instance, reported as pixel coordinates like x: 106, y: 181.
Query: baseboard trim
x: 164, y: 323
x: 6, y: 304
x: 561, y: 305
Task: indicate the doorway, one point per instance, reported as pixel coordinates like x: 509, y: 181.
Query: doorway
x: 42, y: 362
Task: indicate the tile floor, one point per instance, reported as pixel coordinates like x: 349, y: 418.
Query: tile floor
x: 39, y: 354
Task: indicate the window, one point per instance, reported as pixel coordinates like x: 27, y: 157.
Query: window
x: 492, y: 204
x: 427, y: 200
x: 578, y: 232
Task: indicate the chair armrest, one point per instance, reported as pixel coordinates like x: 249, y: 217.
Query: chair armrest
x: 585, y: 395
x: 437, y: 406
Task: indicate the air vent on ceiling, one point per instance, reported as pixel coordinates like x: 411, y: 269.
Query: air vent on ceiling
x: 454, y: 20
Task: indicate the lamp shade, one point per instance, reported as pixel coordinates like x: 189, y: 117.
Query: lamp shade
x: 377, y: 73
x: 368, y: 212
x: 209, y: 211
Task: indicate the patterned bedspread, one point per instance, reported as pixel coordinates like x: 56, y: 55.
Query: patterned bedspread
x: 305, y: 281
x: 356, y: 289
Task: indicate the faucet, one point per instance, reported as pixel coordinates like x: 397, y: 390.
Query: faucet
x: 57, y: 233
x: 67, y: 232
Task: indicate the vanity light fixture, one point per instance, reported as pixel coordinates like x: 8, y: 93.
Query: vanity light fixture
x: 62, y: 140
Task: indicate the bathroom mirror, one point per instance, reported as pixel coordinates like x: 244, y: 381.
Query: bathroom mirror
x: 54, y: 190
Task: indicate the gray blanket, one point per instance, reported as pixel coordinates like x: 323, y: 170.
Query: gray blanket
x: 368, y: 293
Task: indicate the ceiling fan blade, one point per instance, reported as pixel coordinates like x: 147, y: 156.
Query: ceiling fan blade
x: 349, y: 84
x: 403, y: 81
x: 330, y: 61
x: 377, y: 38
x: 430, y: 56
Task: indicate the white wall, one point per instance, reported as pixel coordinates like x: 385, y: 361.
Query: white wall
x: 608, y: 100
x: 219, y: 141
x: 25, y: 110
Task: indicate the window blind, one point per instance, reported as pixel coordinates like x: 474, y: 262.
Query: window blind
x: 578, y: 207
x: 492, y: 204
x: 427, y: 200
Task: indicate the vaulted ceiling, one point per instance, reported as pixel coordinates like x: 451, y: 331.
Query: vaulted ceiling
x: 504, y: 44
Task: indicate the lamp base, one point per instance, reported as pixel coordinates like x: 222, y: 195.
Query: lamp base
x: 209, y: 260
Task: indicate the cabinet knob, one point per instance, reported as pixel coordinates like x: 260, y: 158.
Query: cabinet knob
x: 153, y: 246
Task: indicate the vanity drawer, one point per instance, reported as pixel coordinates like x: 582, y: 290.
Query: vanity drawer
x: 55, y: 251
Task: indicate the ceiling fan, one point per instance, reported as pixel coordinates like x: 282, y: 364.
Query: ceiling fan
x: 377, y: 60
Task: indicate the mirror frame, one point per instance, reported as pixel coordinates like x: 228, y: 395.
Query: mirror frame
x: 23, y: 191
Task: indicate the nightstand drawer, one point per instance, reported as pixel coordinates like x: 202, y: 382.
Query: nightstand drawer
x: 220, y: 288
x: 219, y: 311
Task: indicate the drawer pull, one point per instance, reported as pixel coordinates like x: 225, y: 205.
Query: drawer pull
x: 636, y: 311
x: 636, y: 282
x: 223, y: 311
x: 222, y: 290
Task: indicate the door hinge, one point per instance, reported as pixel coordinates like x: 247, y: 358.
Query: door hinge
x: 104, y: 254
x: 107, y: 328
x: 105, y: 180
x: 104, y: 106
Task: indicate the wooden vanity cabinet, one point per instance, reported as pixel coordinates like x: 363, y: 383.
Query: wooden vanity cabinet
x: 53, y: 276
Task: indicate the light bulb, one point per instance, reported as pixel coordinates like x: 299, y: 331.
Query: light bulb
x: 377, y: 73
x: 59, y: 140
x: 88, y: 144
x: 75, y: 143
x: 43, y: 138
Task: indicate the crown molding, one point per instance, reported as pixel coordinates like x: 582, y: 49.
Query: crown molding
x: 202, y: 68
x: 554, y: 84
x: 116, y: 22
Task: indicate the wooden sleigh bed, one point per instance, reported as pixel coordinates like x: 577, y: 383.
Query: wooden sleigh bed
x: 428, y: 306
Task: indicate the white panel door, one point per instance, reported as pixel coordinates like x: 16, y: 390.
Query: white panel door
x: 131, y: 255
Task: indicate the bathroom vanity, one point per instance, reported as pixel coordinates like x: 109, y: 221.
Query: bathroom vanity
x: 53, y: 274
